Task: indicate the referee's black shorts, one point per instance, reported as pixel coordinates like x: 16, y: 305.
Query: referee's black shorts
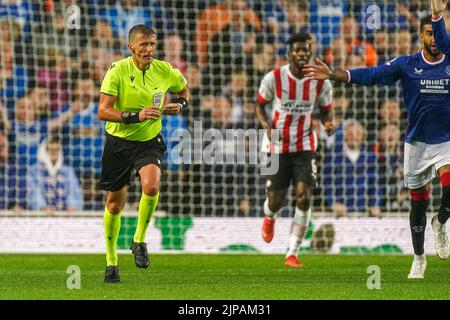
x: 120, y: 156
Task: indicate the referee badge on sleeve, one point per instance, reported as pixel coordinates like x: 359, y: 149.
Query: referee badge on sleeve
x: 157, y: 98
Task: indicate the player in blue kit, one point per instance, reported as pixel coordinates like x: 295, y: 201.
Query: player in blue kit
x: 425, y: 78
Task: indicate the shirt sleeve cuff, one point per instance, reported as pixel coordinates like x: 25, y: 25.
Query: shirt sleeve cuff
x: 349, y: 75
x: 327, y: 107
x: 261, y: 99
x: 436, y: 19
x: 109, y: 93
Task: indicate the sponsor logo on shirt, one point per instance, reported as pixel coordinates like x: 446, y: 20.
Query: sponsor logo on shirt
x: 296, y: 107
x: 439, y: 86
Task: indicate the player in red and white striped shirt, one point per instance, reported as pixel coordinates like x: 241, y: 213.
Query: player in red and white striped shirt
x: 285, y: 102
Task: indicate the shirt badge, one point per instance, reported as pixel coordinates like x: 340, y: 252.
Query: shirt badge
x: 157, y: 98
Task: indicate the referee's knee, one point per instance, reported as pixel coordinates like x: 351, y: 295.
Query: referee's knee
x: 150, y: 191
x: 114, y: 207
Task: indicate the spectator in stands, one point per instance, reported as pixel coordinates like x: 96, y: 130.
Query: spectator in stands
x: 10, y: 32
x: 185, y: 13
x: 263, y: 61
x: 230, y: 47
x: 5, y: 124
x: 221, y: 113
x: 407, y: 17
x: 285, y: 18
x: 237, y: 92
x: 224, y: 181
x: 12, y: 178
x: 53, y: 75
x: 382, y: 47
x: 102, y: 32
x: 124, y: 14
x: 393, y: 15
x: 97, y: 60
x: 201, y: 105
x: 174, y: 52
x: 390, y: 167
x: 28, y: 130
x: 53, y: 32
x: 400, y: 42
x: 356, y: 59
x: 340, y: 106
x: 53, y: 186
x: 390, y: 112
x: 41, y: 99
x: 194, y: 77
x: 218, y: 17
x: 350, y: 175
x: 349, y: 38
x: 13, y: 78
x: 325, y: 18
x: 20, y: 11
x: 83, y: 135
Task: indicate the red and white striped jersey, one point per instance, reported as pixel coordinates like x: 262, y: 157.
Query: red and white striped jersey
x: 289, y: 104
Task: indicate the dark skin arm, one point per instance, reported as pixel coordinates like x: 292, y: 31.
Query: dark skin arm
x: 322, y: 72
x: 262, y: 119
x: 326, y: 117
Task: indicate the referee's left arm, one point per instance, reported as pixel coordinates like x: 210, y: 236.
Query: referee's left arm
x: 176, y: 107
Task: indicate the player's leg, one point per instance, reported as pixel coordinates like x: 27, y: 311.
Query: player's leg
x: 272, y: 206
x: 300, y: 223
x: 115, y: 201
x: 115, y: 176
x: 418, y: 222
x: 277, y: 187
x: 438, y: 222
x: 148, y: 161
x: 303, y: 171
x: 150, y: 181
x: 418, y: 169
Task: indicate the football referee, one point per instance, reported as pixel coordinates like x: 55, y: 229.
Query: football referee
x: 131, y: 103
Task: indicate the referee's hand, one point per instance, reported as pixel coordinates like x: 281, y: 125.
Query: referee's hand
x: 171, y: 108
x: 149, y: 113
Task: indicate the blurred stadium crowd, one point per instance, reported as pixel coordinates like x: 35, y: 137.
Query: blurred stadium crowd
x: 53, y: 58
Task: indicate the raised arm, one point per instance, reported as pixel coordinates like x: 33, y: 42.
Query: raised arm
x: 322, y: 72
x: 441, y: 36
x: 384, y: 74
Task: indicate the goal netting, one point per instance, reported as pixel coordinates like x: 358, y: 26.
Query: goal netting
x: 54, y: 55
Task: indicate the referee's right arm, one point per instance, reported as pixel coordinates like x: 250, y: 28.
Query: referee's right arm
x: 107, y: 112
x: 106, y: 109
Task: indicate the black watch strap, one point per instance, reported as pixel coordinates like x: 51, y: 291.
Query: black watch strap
x: 182, y: 102
x: 130, y: 117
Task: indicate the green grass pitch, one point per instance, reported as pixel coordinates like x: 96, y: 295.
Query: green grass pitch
x: 191, y: 277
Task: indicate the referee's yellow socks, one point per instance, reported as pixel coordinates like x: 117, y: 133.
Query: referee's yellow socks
x: 147, y: 207
x: 112, y: 228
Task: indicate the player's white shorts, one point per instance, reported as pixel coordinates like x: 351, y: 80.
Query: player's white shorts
x: 422, y: 162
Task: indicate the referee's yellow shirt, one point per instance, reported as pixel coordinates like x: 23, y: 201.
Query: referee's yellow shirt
x: 135, y: 89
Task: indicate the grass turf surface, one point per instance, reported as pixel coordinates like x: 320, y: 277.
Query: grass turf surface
x: 191, y: 277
